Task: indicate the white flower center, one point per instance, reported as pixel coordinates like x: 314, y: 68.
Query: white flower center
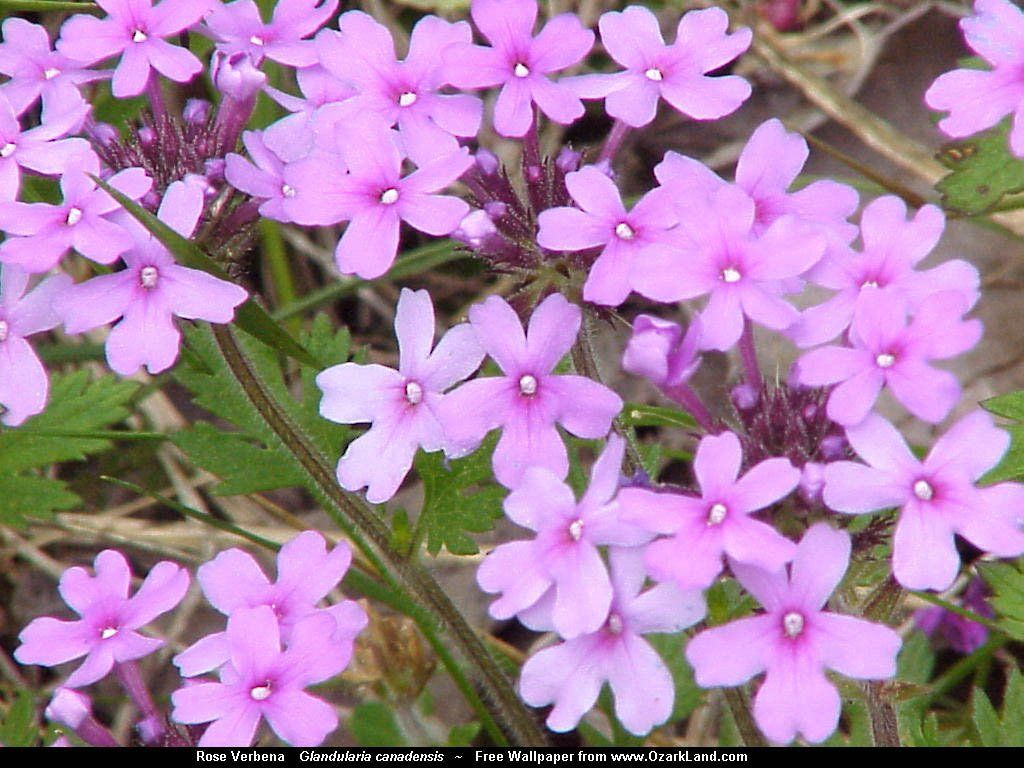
x: 520, y: 70
x: 624, y: 231
x: 576, y: 530
x: 407, y: 99
x: 74, y: 216
x: 885, y: 360
x: 8, y: 149
x: 4, y: 330
x: 148, y: 277
x: 717, y: 513
x: 528, y: 384
x: 654, y: 74
x: 615, y: 624
x: 413, y: 392
x: 108, y: 632
x: 731, y: 275
x: 139, y: 36
x: 256, y: 40
x: 287, y: 190
x: 792, y: 624
x: 260, y: 692
x: 51, y: 72
x: 869, y: 284
x: 923, y: 490
x: 389, y: 196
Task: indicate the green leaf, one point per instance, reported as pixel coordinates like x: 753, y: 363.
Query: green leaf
x: 983, y: 171
x: 640, y: 415
x: 459, y: 497
x: 1010, y: 405
x: 46, y: 6
x: 250, y: 316
x: 243, y: 466
x: 1007, y: 584
x: 1005, y: 729
x: 373, y: 724
x: 18, y: 728
x: 463, y: 735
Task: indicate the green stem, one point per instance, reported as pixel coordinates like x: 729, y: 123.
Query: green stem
x: 371, y: 536
x: 280, y: 270
x: 739, y: 705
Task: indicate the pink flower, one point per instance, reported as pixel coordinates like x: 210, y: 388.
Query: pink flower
x: 717, y: 523
x: 977, y: 99
x: 105, y: 634
x: 306, y: 573
x: 660, y: 352
x: 264, y: 177
x: 563, y: 557
x: 237, y: 28
x: 520, y: 63
x: 677, y: 73
x: 529, y: 399
x: 892, y: 247
x: 35, y: 70
x: 403, y: 406
x: 794, y: 641
x: 135, y: 31
x: 602, y: 221
x: 937, y: 497
x: 886, y: 350
x: 150, y: 292
x: 375, y: 198
x: 262, y: 681
x: 292, y: 138
x: 45, y: 233
x: 404, y: 93
x: 570, y: 675
x: 719, y: 254
x: 24, y: 384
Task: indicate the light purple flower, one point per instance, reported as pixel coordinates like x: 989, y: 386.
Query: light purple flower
x: 306, y: 573
x: 602, y: 221
x: 887, y: 351
x: 292, y: 137
x: 520, y: 63
x: 529, y: 399
x: 24, y: 384
x: 403, y: 406
x: 937, y: 497
x: 238, y: 28
x: 263, y: 175
x: 720, y: 255
x: 105, y: 634
x: 570, y: 675
x: 150, y: 292
x: 44, y: 233
x: 563, y: 557
x: 702, y: 529
x: 404, y: 93
x: 677, y: 73
x: 35, y: 70
x: 977, y: 99
x: 795, y: 641
x: 135, y: 31
x: 41, y: 149
x: 261, y: 681
x: 892, y: 247
x: 375, y: 198
x: 660, y: 352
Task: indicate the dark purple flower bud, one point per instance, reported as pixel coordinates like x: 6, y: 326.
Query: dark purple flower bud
x: 214, y: 170
x: 833, y: 448
x: 487, y: 162
x: 744, y: 397
x: 104, y: 134
x: 196, y: 111
x: 475, y: 229
x: 147, y: 136
x: 496, y: 209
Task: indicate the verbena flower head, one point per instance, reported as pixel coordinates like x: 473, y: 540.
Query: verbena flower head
x: 520, y: 63
x: 402, y: 406
x: 37, y: 71
x: 40, y: 234
x: 570, y: 675
x: 150, y: 292
x: 529, y: 399
x: 237, y: 27
x: 703, y: 529
x: 262, y: 681
x: 601, y: 221
x: 135, y: 30
x: 677, y: 73
x: 404, y: 93
x: 977, y: 99
x: 794, y: 641
x: 106, y: 632
x: 888, y: 351
x: 563, y: 557
x: 24, y: 383
x: 937, y: 497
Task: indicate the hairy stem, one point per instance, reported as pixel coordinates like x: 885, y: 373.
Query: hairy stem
x: 614, y: 141
x: 372, y: 537
x: 739, y: 706
x: 885, y: 729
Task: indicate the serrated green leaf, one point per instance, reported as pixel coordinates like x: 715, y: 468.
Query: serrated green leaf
x: 18, y: 728
x: 242, y: 465
x: 983, y: 171
x: 24, y: 496
x: 1007, y: 584
x: 373, y: 724
x: 1005, y: 729
x: 459, y: 497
